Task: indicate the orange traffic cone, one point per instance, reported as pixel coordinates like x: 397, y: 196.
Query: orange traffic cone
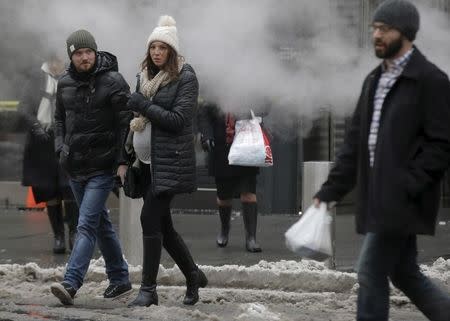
x: 30, y: 202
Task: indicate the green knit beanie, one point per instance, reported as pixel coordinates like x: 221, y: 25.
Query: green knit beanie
x: 80, y: 39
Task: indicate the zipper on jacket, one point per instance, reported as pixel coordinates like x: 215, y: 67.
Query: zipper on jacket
x: 90, y: 94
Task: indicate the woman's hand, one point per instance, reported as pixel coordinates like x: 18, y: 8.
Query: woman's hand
x: 207, y: 143
x: 137, y: 102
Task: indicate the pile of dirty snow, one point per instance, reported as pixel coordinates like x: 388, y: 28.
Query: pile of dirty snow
x: 302, y: 276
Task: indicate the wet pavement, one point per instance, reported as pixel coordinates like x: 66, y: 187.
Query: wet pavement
x: 26, y: 237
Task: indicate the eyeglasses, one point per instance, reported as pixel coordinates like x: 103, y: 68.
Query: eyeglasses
x: 381, y: 28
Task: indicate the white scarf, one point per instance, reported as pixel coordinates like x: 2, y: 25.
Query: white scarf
x: 46, y: 110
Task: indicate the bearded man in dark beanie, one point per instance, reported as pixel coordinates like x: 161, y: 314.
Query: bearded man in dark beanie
x: 91, y: 124
x: 395, y: 152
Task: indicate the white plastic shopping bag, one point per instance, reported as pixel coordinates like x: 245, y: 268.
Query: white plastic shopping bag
x: 310, y: 237
x: 251, y: 146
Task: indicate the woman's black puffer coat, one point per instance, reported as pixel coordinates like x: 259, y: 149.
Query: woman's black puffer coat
x: 171, y: 113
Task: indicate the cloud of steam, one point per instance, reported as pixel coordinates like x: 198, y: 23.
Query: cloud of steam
x: 433, y: 36
x: 300, y: 54
x: 238, y: 54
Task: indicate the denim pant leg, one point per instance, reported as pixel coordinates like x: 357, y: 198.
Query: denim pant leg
x: 377, y: 256
x: 432, y: 301
x: 91, y: 196
x: 108, y: 242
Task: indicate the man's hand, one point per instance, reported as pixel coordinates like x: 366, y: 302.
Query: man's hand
x: 207, y: 144
x: 316, y: 202
x: 137, y: 102
x: 121, y: 171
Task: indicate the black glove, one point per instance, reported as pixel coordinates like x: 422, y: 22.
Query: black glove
x: 39, y: 132
x: 207, y: 143
x: 138, y: 103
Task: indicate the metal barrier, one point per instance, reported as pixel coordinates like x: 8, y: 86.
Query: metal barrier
x: 314, y: 175
x: 130, y: 228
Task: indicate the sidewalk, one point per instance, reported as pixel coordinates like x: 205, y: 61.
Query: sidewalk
x: 26, y: 236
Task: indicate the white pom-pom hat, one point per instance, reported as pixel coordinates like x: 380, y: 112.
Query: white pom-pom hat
x: 165, y: 32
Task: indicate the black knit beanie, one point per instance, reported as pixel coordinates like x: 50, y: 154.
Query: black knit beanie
x: 80, y: 39
x: 399, y: 14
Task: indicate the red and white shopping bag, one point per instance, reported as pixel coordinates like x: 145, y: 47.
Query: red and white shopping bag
x: 251, y: 145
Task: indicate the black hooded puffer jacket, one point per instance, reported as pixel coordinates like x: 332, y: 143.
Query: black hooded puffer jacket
x: 91, y: 119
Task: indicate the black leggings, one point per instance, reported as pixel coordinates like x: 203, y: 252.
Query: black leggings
x: 155, y: 216
x: 157, y: 223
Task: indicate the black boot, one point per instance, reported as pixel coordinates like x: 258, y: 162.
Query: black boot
x: 56, y: 221
x: 71, y: 210
x: 250, y: 215
x: 152, y: 256
x: 146, y: 297
x: 225, y: 217
x: 195, y: 278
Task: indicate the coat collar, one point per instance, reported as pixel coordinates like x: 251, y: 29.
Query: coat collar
x: 415, y: 64
x: 412, y: 69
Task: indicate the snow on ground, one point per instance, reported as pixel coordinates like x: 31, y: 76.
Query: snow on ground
x: 284, y: 290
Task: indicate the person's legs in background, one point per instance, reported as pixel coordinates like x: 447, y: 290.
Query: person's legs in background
x: 250, y: 216
x: 225, y: 207
x: 71, y: 217
x: 224, y: 188
x: 55, y: 215
x: 48, y: 193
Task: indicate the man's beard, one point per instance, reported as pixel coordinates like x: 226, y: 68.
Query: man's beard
x: 86, y: 66
x: 391, y: 49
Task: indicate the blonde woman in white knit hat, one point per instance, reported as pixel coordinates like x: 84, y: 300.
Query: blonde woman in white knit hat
x: 164, y: 144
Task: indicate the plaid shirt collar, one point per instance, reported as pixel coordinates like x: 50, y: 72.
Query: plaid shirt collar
x: 399, y: 63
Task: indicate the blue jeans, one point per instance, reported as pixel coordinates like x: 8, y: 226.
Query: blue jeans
x: 94, y: 225
x: 385, y: 257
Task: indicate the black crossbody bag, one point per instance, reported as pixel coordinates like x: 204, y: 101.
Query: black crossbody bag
x: 133, y: 185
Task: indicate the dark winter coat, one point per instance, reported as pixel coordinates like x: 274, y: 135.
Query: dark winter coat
x: 412, y: 153
x: 171, y: 113
x: 40, y: 167
x: 211, y: 124
x: 91, y: 119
